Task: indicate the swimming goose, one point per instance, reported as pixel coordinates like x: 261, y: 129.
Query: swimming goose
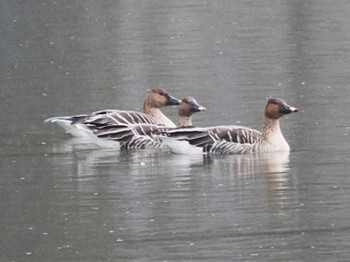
x: 233, y: 139
x: 156, y: 99
x: 140, y: 136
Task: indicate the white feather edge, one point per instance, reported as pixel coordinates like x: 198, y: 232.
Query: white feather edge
x: 180, y: 146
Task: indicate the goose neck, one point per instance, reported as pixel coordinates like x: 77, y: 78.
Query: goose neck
x: 184, y: 121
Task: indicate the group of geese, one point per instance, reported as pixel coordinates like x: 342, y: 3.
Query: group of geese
x: 152, y: 129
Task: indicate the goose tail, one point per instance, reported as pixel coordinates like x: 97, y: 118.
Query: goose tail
x: 70, y: 124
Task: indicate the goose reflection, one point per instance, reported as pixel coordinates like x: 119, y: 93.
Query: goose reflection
x: 134, y: 188
x: 73, y: 144
x: 252, y: 164
x: 267, y: 175
x: 131, y: 161
x: 277, y: 170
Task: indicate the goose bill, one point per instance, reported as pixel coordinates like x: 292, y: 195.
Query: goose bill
x: 286, y: 109
x: 172, y: 101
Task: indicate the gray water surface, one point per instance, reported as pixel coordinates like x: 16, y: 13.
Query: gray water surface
x: 64, y: 199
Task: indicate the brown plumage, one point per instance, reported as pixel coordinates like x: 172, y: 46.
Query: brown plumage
x: 233, y: 139
x: 134, y: 136
x: 155, y: 99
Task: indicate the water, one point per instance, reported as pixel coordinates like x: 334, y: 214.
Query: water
x: 63, y: 199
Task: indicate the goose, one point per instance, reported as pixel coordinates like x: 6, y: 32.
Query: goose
x: 140, y: 136
x: 155, y: 99
x: 232, y: 139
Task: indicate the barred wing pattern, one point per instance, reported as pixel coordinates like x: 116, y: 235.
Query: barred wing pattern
x: 206, y: 137
x: 120, y: 133
x: 196, y: 136
x: 136, y: 136
x: 222, y: 147
x: 218, y: 140
x: 235, y: 134
x: 117, y: 117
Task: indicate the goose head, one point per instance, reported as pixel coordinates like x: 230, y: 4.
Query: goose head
x: 277, y: 107
x: 188, y: 106
x: 158, y: 98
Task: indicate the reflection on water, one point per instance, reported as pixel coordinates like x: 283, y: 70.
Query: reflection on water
x: 71, y: 144
x: 115, y: 205
x: 250, y: 164
x: 157, y: 195
x: 271, y: 169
